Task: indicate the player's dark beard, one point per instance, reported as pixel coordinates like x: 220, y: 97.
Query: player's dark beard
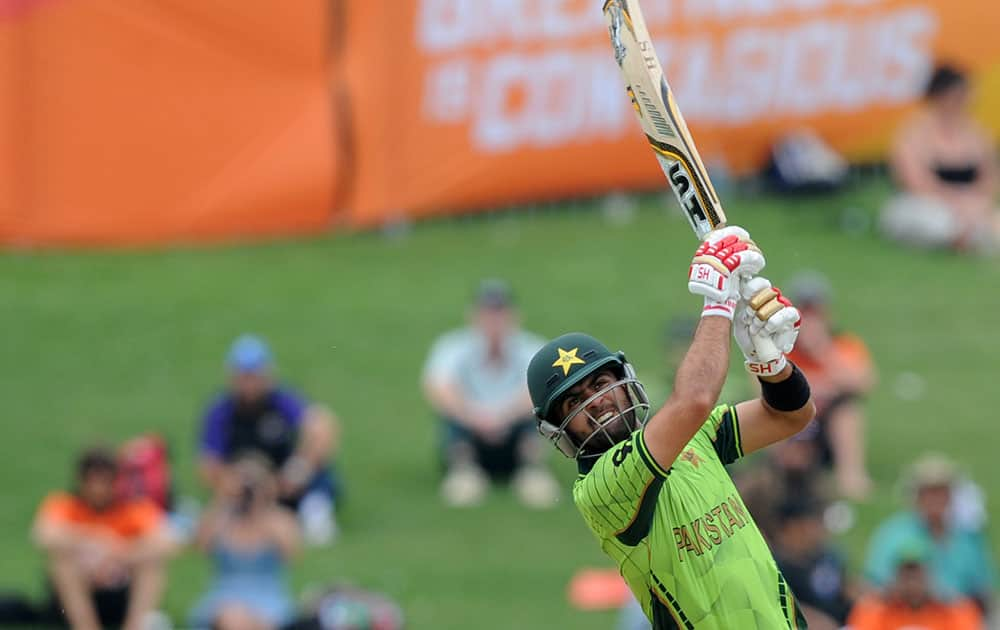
x: 611, y: 432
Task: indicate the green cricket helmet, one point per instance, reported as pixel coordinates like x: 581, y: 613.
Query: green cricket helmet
x: 614, y: 395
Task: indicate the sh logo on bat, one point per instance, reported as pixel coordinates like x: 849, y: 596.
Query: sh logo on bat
x: 686, y: 192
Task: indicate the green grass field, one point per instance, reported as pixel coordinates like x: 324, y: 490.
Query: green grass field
x: 103, y: 346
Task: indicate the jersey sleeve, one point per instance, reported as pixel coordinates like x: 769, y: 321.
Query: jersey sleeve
x: 527, y: 345
x: 722, y: 431
x: 866, y: 615
x: 212, y: 441
x: 56, y: 508
x: 142, y: 518
x: 444, y: 359
x: 879, y: 565
x: 290, y: 405
x: 618, y: 496
x: 984, y: 569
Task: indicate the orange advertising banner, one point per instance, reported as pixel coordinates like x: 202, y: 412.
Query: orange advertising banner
x: 151, y: 121
x: 130, y: 122
x: 461, y: 104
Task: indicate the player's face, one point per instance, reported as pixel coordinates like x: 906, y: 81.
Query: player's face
x: 955, y: 102
x: 97, y: 488
x: 911, y: 584
x: 605, y: 419
x: 933, y: 501
x: 250, y: 386
x: 495, y: 323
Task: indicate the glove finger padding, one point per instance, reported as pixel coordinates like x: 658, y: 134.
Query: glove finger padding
x: 767, y: 327
x: 784, y: 328
x: 722, y: 262
x: 732, y: 230
x: 787, y: 318
x: 753, y: 286
x: 770, y: 307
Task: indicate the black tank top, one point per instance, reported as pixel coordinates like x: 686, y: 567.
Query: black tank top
x: 261, y: 427
x: 957, y: 174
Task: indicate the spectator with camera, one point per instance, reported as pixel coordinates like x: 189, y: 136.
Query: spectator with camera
x: 250, y: 538
x: 297, y: 437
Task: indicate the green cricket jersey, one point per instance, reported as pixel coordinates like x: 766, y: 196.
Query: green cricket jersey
x: 684, y: 541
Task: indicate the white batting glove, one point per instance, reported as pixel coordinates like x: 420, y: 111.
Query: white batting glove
x: 766, y: 327
x: 725, y: 259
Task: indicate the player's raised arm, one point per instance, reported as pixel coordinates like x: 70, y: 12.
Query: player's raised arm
x: 726, y: 258
x: 765, y: 327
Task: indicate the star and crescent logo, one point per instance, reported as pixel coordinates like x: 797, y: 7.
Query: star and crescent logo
x: 567, y: 359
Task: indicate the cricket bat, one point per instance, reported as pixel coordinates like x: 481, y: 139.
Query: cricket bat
x: 660, y: 118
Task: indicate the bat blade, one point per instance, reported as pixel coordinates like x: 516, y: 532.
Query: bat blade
x: 660, y: 118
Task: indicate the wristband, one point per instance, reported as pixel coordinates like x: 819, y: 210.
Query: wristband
x: 790, y: 394
x: 713, y: 308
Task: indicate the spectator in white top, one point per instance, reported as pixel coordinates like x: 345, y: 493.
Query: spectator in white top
x: 475, y: 380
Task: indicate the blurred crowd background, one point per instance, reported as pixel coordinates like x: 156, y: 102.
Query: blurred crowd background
x: 272, y: 275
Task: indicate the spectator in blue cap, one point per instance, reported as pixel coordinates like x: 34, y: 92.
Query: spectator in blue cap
x: 256, y: 414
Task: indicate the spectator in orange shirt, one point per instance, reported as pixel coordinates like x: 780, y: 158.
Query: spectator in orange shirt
x: 840, y: 372
x: 908, y: 603
x: 106, y: 555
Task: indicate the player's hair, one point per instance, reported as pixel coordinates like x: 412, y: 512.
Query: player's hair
x: 96, y: 459
x: 944, y: 78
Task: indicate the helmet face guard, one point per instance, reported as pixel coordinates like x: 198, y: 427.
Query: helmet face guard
x: 629, y: 416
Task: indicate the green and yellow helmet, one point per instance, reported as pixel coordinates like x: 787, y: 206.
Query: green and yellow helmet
x: 568, y: 361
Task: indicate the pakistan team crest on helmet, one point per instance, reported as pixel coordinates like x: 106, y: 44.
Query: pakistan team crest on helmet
x: 563, y: 364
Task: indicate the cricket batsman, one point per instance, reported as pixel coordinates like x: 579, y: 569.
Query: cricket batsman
x: 655, y: 492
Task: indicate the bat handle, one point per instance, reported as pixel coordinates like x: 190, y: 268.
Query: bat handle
x: 766, y: 348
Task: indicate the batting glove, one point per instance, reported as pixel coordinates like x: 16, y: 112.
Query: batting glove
x: 766, y: 327
x: 726, y: 258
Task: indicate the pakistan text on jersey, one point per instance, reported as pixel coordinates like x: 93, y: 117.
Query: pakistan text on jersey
x: 711, y: 530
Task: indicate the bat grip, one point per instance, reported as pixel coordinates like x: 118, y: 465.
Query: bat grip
x: 766, y: 349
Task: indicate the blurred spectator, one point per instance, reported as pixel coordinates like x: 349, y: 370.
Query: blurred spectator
x: 297, y: 437
x: 250, y: 538
x: 802, y: 162
x: 474, y: 379
x: 908, y: 601
x: 632, y: 616
x: 814, y: 570
x: 106, y: 555
x: 958, y: 560
x: 840, y: 373
x: 342, y: 606
x: 144, y: 470
x: 946, y: 167
x: 785, y: 470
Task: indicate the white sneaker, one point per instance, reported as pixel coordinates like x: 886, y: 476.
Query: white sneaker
x: 319, y: 527
x: 156, y: 620
x: 464, y: 486
x: 536, y: 488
